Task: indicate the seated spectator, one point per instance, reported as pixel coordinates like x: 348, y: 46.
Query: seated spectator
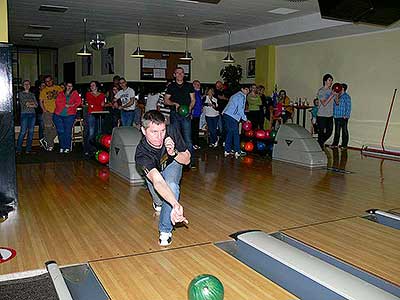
x: 287, y: 108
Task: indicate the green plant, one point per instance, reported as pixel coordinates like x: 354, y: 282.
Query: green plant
x: 232, y: 75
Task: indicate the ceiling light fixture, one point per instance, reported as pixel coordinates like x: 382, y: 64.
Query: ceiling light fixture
x: 229, y: 58
x: 84, y: 50
x: 138, y: 52
x: 98, y: 42
x: 188, y: 55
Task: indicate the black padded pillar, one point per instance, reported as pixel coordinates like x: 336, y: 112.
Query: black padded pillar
x: 8, y: 185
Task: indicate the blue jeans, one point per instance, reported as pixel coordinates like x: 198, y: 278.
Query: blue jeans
x: 212, y: 123
x: 39, y: 118
x: 172, y: 175
x: 128, y: 117
x: 91, y: 130
x: 27, y: 124
x: 184, y: 126
x: 232, y: 134
x: 64, y: 126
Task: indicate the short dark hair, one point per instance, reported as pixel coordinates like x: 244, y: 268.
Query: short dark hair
x: 152, y: 116
x: 116, y: 77
x: 95, y: 82
x: 344, y: 86
x: 122, y: 78
x: 326, y: 77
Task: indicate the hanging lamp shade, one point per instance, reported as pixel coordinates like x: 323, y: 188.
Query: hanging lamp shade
x: 98, y: 42
x: 229, y: 58
x: 188, y: 55
x: 84, y: 50
x: 138, y: 53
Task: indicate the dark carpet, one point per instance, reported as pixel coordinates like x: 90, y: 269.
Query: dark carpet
x: 33, y: 288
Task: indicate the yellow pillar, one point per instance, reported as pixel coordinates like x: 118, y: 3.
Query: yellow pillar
x: 3, y: 22
x: 265, y: 67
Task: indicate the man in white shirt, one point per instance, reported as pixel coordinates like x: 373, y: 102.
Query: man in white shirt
x: 129, y: 112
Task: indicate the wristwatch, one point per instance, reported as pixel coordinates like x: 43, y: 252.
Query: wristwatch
x: 175, y: 153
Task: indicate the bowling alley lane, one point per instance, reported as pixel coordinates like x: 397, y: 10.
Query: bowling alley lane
x: 367, y: 245
x: 167, y: 274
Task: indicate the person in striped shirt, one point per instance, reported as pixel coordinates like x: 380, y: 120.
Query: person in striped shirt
x: 341, y: 115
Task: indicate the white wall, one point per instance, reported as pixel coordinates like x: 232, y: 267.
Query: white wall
x: 369, y: 64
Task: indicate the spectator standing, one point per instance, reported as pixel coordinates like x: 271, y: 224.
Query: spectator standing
x: 48, y: 96
x: 196, y: 113
x: 64, y: 116
x: 28, y: 104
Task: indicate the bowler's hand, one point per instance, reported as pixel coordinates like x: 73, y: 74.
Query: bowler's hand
x: 170, y: 146
x: 177, y: 214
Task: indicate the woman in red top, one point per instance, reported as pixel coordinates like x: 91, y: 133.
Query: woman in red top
x: 64, y: 116
x: 95, y: 101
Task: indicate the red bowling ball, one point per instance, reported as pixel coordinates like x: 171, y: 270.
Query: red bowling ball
x: 337, y: 87
x: 249, y: 146
x: 247, y: 126
x: 267, y: 134
x: 106, y: 141
x: 249, y: 133
x: 260, y: 134
x: 103, y: 157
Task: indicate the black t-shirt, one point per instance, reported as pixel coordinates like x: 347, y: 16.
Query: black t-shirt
x: 221, y: 102
x: 180, y: 93
x: 148, y: 157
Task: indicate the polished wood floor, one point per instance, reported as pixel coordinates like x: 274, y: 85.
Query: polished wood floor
x: 167, y: 275
x: 68, y: 212
x: 362, y: 243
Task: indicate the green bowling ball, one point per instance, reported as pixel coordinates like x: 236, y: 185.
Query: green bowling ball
x: 96, y: 155
x: 183, y: 110
x: 273, y: 134
x: 206, y: 287
x: 98, y: 138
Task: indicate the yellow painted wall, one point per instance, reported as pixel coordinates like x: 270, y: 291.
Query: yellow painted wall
x: 369, y: 64
x: 3, y: 22
x: 206, y: 65
x: 266, y: 67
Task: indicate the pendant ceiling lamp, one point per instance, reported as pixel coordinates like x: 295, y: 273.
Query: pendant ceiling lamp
x: 138, y: 52
x: 98, y: 42
x: 229, y: 58
x: 188, y: 55
x: 84, y: 50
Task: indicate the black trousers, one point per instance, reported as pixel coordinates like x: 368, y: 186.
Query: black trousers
x: 341, y: 125
x: 325, y: 128
x: 195, y: 130
x: 256, y: 117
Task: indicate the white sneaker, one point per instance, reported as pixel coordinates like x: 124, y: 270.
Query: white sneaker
x: 165, y: 238
x: 156, y: 207
x: 61, y: 150
x: 67, y: 150
x: 226, y: 154
x: 239, y: 154
x: 43, y: 143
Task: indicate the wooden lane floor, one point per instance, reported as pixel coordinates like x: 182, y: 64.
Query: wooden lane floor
x: 367, y: 245
x: 167, y: 274
x: 68, y: 214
